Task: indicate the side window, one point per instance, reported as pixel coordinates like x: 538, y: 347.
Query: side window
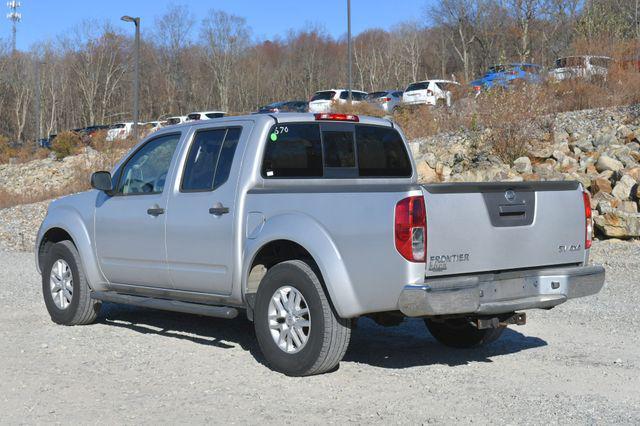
x: 226, y: 156
x: 381, y: 152
x: 293, y: 151
x: 200, y: 166
x: 146, y: 171
x: 209, y: 160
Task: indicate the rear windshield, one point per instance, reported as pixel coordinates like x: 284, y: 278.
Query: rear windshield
x: 215, y: 115
x: 418, y: 86
x: 323, y: 96
x: 573, y: 61
x: 193, y: 116
x: 302, y: 150
x: 173, y: 121
x: 376, y: 95
x: 117, y: 126
x: 356, y: 96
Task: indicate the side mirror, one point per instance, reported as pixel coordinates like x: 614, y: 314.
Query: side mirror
x: 102, y: 181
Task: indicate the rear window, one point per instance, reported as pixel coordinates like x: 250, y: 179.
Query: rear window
x: 293, y: 150
x: 418, y: 86
x: 215, y: 115
x: 356, y: 96
x: 301, y: 150
x: 381, y: 152
x: 193, y: 116
x: 323, y: 96
x: 376, y: 95
x: 600, y: 62
x: 117, y: 126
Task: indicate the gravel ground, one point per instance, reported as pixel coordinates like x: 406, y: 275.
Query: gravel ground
x: 578, y: 363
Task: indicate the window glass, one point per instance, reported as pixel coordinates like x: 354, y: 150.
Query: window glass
x: 146, y: 171
x: 381, y: 152
x: 338, y: 149
x: 600, y: 62
x: 376, y: 95
x: 327, y: 95
x: 225, y: 160
x: 202, y: 159
x: 193, y: 116
x: 215, y: 115
x: 293, y: 150
x: 418, y: 86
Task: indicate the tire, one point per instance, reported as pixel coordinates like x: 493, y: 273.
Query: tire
x: 80, y: 309
x: 327, y: 336
x: 460, y: 333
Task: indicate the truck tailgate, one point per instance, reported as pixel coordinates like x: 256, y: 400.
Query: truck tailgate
x: 479, y: 227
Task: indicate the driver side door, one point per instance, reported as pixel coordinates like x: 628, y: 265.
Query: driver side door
x: 130, y: 224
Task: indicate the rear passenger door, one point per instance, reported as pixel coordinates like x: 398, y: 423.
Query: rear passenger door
x: 201, y: 214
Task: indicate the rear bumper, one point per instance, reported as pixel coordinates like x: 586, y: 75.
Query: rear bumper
x: 501, y: 292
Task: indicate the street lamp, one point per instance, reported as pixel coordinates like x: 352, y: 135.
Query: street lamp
x: 349, y: 47
x: 136, y: 77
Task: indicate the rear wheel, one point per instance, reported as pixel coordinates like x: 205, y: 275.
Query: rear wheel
x: 461, y: 333
x: 297, y: 330
x: 64, y: 286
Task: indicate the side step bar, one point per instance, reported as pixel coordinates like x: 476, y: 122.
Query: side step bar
x: 166, y: 305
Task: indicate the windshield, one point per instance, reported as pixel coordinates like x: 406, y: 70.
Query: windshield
x: 323, y: 96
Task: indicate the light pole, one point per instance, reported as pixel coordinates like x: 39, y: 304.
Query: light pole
x: 136, y: 77
x: 349, y: 47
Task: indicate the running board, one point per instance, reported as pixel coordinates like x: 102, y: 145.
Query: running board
x: 166, y: 305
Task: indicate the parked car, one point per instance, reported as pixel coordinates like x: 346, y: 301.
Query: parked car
x: 587, y: 67
x: 504, y: 75
x: 119, y: 131
x: 286, y: 106
x: 44, y: 143
x: 430, y: 92
x: 307, y: 222
x: 205, y: 115
x: 387, y: 100
x: 170, y: 121
x: 324, y: 100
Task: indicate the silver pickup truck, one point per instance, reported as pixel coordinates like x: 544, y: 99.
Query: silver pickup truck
x: 307, y: 222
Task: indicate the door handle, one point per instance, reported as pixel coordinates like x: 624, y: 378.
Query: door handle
x: 155, y: 211
x: 218, y: 209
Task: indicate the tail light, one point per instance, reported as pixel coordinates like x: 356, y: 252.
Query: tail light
x: 588, y: 226
x: 386, y: 99
x: 477, y: 88
x: 411, y: 229
x: 336, y: 117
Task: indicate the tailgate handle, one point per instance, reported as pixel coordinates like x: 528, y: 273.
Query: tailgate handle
x: 513, y: 210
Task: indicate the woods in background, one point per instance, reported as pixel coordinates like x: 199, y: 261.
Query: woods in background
x: 193, y: 63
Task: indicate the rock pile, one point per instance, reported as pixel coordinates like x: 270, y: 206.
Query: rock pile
x: 599, y: 148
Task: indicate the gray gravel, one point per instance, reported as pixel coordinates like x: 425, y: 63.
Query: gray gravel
x: 578, y: 363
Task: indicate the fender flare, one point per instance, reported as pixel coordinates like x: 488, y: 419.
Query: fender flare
x: 70, y: 221
x: 313, y: 237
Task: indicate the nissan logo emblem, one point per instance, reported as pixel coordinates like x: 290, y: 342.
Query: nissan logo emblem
x: 510, y: 195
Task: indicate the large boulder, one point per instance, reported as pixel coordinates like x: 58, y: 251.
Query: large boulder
x: 426, y: 174
x: 618, y: 224
x: 607, y: 163
x: 522, y: 165
x: 623, y: 188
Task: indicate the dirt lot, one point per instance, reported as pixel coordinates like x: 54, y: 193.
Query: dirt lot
x: 579, y: 363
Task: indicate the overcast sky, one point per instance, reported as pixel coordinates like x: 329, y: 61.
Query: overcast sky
x: 45, y: 19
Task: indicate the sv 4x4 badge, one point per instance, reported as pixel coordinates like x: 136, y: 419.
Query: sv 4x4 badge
x: 439, y: 263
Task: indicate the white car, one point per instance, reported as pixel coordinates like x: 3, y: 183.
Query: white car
x: 205, y: 115
x: 119, y: 131
x: 323, y: 100
x: 430, y: 92
x: 586, y: 67
x: 178, y: 119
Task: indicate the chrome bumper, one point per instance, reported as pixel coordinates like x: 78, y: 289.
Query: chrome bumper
x: 500, y: 292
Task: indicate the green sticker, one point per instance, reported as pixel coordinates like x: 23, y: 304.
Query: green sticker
x: 274, y: 137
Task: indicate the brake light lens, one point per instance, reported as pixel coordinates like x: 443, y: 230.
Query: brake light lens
x: 386, y: 99
x: 328, y: 116
x: 588, y: 227
x: 477, y: 88
x: 411, y: 229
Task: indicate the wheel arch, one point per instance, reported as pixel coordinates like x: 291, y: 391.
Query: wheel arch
x: 294, y: 236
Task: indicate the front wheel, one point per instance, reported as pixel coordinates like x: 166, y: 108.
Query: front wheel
x: 461, y: 333
x: 298, y: 331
